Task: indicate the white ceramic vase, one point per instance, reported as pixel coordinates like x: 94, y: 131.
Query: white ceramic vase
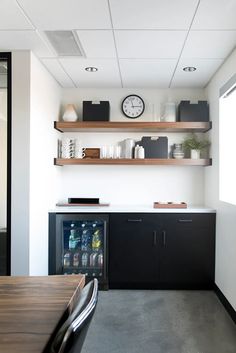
x: 70, y: 113
x: 195, y: 154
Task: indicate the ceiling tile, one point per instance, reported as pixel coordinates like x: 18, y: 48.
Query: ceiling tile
x: 149, y: 44
x: 205, y: 44
x: 58, y: 73
x: 106, y: 76
x: 152, y: 14
x: 12, y: 17
x: 24, y: 40
x: 64, y: 14
x: 215, y: 14
x: 199, y: 78
x: 97, y: 44
x: 147, y: 72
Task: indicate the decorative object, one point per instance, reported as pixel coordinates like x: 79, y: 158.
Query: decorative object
x: 170, y: 205
x: 195, y: 154
x: 96, y: 110
x: 178, y: 152
x: 169, y: 112
x: 87, y: 200
x: 195, y: 146
x: 133, y: 106
x: 127, y: 148
x: 70, y: 113
x: 68, y: 148
x: 82, y: 204
x: 141, y: 152
x: 92, y: 153
x: 193, y: 112
x: 154, y: 146
x: 117, y: 152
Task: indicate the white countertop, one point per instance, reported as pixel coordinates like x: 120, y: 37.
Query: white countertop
x: 130, y: 209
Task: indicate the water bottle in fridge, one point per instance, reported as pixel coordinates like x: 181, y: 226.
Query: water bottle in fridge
x: 85, y: 240
x: 85, y: 259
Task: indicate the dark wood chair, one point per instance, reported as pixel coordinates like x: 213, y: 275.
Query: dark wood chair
x: 70, y: 337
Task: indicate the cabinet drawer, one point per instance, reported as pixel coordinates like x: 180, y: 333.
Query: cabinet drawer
x: 196, y: 220
x: 134, y: 220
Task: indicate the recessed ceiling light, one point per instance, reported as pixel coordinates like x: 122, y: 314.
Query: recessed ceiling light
x: 91, y: 69
x: 189, y: 68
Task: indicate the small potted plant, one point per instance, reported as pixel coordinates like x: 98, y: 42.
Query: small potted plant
x: 195, y: 146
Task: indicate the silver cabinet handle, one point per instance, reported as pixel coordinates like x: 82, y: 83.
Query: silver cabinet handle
x: 164, y: 237
x: 185, y: 220
x: 154, y: 237
x: 135, y: 220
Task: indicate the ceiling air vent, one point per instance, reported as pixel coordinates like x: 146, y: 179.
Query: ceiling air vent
x: 65, y: 43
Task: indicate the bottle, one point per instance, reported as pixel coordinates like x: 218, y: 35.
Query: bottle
x: 72, y: 240
x: 96, y: 240
x: 100, y: 260
x: 76, y: 259
x: 67, y: 259
x: 85, y: 240
x: 92, y: 260
x: 136, y: 151
x: 141, y: 152
x: 85, y: 259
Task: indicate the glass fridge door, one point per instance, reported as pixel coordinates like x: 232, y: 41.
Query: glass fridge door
x: 84, y: 247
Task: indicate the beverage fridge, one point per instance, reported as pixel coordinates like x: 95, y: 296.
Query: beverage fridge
x: 78, y: 244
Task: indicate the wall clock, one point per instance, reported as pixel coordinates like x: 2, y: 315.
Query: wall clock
x: 133, y: 106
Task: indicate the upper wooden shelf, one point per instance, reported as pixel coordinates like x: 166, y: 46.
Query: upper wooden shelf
x: 117, y: 126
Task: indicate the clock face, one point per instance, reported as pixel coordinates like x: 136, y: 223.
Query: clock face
x: 133, y: 106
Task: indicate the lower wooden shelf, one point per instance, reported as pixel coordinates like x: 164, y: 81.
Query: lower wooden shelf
x: 147, y: 161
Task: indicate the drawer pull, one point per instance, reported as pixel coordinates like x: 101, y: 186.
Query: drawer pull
x: 135, y: 220
x: 164, y: 237
x: 185, y: 220
x: 154, y: 238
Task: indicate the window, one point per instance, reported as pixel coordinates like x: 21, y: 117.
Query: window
x: 227, y: 145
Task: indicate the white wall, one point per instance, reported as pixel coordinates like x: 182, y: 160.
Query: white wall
x: 36, y: 103
x: 225, y: 226
x: 131, y: 184
x: 20, y: 163
x: 45, y: 96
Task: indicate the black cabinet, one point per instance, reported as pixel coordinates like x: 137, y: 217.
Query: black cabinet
x: 162, y: 250
x: 187, y: 250
x: 133, y: 256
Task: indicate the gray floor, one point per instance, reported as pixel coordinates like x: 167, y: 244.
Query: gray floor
x: 142, y: 321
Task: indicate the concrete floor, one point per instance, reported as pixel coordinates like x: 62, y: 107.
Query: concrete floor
x: 142, y: 321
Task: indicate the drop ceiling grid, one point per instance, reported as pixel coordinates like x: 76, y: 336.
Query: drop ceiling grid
x: 107, y: 27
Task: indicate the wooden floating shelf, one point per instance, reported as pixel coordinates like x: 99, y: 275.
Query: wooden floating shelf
x: 147, y: 161
x: 115, y: 126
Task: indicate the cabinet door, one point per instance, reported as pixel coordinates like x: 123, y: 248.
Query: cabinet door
x: 133, y: 255
x: 188, y: 249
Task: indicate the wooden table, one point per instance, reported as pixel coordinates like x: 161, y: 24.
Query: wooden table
x: 31, y: 308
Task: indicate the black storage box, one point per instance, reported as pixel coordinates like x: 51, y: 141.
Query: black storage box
x: 96, y: 110
x: 193, y: 112
x: 154, y: 147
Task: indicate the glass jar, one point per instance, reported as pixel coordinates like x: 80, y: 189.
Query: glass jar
x: 178, y: 152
